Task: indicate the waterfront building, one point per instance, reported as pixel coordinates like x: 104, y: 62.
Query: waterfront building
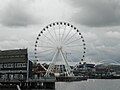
x: 107, y: 70
x: 84, y: 69
x: 13, y: 64
x: 38, y: 71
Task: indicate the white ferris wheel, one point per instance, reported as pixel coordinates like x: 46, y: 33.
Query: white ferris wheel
x: 61, y: 44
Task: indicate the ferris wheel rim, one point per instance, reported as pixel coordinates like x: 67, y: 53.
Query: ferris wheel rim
x: 60, y: 23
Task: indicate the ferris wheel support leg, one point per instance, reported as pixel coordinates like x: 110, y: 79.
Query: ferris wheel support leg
x: 43, y: 67
x: 51, y: 66
x: 66, y: 64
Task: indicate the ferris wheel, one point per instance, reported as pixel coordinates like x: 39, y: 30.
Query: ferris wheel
x: 60, y: 43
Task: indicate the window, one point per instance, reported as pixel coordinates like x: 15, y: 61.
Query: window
x: 1, y: 65
x: 20, y: 65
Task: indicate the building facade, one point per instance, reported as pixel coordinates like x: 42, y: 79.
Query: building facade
x: 13, y: 64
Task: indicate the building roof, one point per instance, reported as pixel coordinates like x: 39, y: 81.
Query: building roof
x: 13, y: 52
x: 15, y: 55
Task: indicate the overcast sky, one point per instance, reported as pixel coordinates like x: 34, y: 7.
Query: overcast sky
x: 98, y: 21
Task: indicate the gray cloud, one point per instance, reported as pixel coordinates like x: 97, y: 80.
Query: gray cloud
x: 16, y: 13
x: 102, y: 44
x: 96, y: 13
x: 101, y: 19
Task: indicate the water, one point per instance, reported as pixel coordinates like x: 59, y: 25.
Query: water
x: 91, y: 84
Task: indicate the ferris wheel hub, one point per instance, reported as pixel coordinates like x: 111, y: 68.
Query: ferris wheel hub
x: 59, y: 48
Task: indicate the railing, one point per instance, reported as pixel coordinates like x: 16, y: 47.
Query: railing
x: 15, y: 71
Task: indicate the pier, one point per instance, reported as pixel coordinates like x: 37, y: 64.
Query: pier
x: 43, y: 83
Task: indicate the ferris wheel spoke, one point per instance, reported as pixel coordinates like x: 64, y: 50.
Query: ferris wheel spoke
x: 72, y: 58
x: 75, y: 58
x: 49, y: 39
x: 66, y: 54
x: 45, y: 46
x: 48, y: 43
x: 63, y: 32
x: 55, y: 32
x: 44, y: 51
x: 76, y: 45
x: 67, y: 34
x: 71, y: 37
x: 59, y: 32
x: 72, y: 41
x: 74, y: 55
x: 47, y: 56
x: 51, y: 35
x: 76, y: 50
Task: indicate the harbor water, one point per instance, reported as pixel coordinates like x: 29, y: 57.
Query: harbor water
x: 90, y: 84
